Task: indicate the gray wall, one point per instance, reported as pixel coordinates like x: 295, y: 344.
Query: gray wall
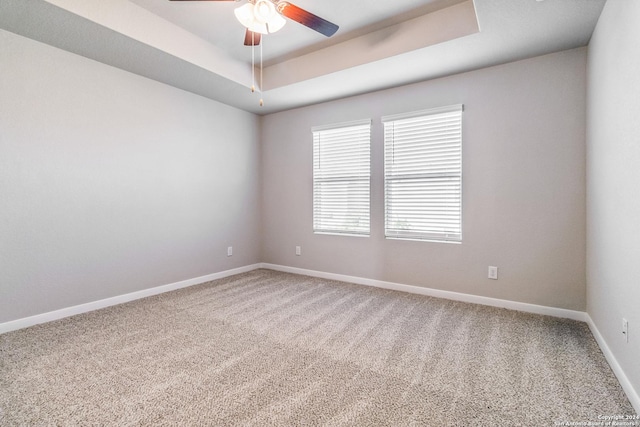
x: 613, y: 178
x: 523, y: 185
x: 112, y: 183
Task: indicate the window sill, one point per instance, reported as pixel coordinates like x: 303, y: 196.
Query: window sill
x: 455, y: 242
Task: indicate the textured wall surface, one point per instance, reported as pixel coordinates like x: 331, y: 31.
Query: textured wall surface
x: 523, y: 185
x: 613, y: 182
x: 113, y: 183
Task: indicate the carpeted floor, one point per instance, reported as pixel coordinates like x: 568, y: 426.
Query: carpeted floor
x: 268, y: 348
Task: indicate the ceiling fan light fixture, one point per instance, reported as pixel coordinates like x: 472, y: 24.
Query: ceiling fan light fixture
x: 244, y: 14
x: 260, y: 17
x: 276, y: 23
x: 263, y: 11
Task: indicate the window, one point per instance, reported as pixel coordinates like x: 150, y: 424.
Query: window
x: 341, y: 178
x: 423, y: 175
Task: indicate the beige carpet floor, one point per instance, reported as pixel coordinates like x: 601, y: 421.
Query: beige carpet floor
x: 267, y: 348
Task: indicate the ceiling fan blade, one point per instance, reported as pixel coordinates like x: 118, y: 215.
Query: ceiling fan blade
x: 308, y: 19
x: 248, y: 39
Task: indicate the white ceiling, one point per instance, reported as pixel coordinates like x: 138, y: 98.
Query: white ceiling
x: 214, y: 22
x: 197, y: 46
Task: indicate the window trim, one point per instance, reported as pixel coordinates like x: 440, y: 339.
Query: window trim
x: 417, y: 235
x: 335, y: 126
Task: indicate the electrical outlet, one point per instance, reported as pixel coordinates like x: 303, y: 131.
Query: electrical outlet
x: 625, y: 329
x: 298, y: 250
x: 493, y: 273
x: 230, y: 251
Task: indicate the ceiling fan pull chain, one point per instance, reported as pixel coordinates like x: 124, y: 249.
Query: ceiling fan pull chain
x: 253, y: 66
x: 261, y: 101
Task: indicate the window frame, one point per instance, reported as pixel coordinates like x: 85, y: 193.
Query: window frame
x: 320, y: 224
x: 452, y: 235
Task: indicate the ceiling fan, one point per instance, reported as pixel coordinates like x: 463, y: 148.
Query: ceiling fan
x: 266, y: 16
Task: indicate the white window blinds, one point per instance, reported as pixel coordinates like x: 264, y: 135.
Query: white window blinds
x: 423, y: 174
x: 341, y: 178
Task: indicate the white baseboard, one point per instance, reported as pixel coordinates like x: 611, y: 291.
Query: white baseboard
x: 456, y: 296
x: 107, y: 302
x: 120, y: 299
x: 632, y: 394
